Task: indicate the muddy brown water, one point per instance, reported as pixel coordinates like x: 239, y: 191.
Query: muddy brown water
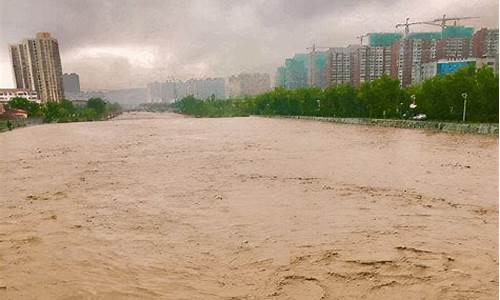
x: 158, y: 206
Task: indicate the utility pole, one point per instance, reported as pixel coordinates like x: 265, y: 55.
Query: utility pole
x: 464, y: 95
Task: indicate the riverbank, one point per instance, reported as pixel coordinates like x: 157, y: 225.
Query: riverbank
x: 18, y: 123
x: 473, y: 128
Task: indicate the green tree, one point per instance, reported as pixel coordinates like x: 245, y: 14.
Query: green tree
x: 439, y: 98
x: 340, y: 101
x: 62, y: 111
x: 381, y: 98
x: 98, y: 105
x: 31, y: 107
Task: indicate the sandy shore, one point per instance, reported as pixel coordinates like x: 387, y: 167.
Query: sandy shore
x: 152, y: 206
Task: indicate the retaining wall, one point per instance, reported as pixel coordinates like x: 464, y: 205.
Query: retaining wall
x: 475, y: 128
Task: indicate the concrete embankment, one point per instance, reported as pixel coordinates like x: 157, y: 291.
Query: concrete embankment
x: 475, y: 128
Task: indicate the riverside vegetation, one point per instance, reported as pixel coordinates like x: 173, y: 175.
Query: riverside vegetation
x: 440, y: 98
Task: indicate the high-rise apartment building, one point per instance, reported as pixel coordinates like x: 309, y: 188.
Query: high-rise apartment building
x: 453, y: 48
x: 169, y: 91
x: 206, y: 88
x: 455, y: 43
x: 376, y: 60
x: 340, y: 65
x: 317, y: 69
x: 485, y: 43
x: 161, y: 92
x: 420, y: 48
x: 409, y: 55
x: 379, y: 62
x: 293, y: 74
x: 360, y: 66
x: 71, y: 83
x: 37, y: 66
x: 280, y: 77
x: 247, y: 84
x: 370, y: 63
x: 423, y: 51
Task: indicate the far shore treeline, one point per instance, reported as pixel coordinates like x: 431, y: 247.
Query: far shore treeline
x: 440, y: 98
x: 65, y: 111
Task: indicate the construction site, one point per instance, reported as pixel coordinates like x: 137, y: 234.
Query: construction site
x: 408, y: 56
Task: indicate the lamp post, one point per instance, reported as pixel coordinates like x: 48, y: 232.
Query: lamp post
x: 413, y: 106
x: 464, y: 95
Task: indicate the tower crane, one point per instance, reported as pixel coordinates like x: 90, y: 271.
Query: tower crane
x: 312, y: 71
x: 361, y: 37
x: 314, y: 47
x: 407, y: 25
x: 442, y: 21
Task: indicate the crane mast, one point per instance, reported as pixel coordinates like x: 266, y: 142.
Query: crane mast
x: 312, y: 71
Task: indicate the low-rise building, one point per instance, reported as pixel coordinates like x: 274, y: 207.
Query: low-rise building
x: 448, y: 66
x: 8, y: 94
x: 7, y: 113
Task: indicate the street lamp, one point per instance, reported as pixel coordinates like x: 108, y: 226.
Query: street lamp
x: 464, y: 95
x: 413, y: 105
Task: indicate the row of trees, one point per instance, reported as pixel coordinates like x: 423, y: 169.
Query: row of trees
x: 214, y: 108
x: 65, y: 110
x: 440, y: 98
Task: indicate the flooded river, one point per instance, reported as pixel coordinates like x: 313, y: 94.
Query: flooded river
x: 158, y: 206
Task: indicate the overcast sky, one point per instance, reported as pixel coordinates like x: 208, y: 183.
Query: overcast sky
x: 128, y: 43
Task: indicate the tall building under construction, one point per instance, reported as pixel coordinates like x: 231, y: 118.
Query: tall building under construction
x: 402, y: 57
x: 37, y: 66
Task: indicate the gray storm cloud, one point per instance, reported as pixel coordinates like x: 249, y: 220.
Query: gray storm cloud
x: 124, y: 43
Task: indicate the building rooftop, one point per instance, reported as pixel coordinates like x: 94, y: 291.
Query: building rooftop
x: 14, y: 90
x: 43, y: 35
x: 384, y: 39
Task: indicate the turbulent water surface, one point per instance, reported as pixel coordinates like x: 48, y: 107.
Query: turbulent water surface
x: 161, y: 206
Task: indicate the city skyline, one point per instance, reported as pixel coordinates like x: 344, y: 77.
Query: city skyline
x: 200, y: 39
